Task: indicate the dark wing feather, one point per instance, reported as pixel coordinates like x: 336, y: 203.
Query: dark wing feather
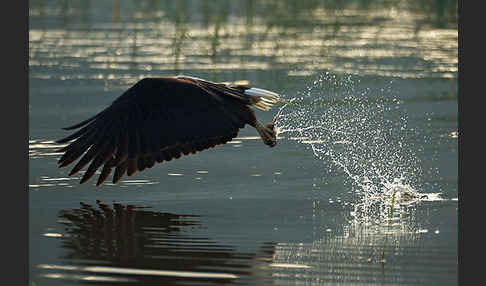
x: 156, y: 120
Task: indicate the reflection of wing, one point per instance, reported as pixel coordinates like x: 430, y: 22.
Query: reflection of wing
x: 131, y: 237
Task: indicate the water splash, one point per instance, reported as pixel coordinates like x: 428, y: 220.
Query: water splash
x: 360, y: 131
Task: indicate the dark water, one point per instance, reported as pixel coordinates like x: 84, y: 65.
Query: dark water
x: 372, y: 92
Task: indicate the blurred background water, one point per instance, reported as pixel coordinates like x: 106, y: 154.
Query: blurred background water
x: 370, y: 118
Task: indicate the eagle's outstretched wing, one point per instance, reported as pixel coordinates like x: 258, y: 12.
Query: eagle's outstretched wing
x: 156, y: 120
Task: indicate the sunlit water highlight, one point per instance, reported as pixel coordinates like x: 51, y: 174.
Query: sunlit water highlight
x: 133, y: 271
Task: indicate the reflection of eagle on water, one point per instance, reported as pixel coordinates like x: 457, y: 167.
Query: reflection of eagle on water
x: 169, y: 246
x: 159, y: 119
x: 120, y: 231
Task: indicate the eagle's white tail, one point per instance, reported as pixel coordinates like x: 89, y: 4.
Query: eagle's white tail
x: 265, y: 99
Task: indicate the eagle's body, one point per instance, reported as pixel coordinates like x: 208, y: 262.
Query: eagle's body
x: 159, y: 119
